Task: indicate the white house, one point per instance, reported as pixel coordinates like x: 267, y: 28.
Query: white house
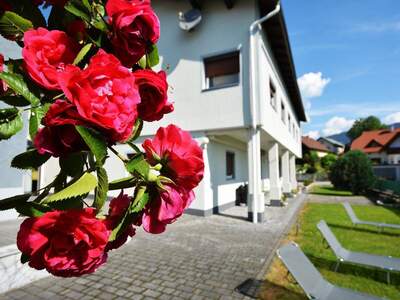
x: 248, y: 126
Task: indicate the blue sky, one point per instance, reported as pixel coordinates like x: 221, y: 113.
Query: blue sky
x: 350, y: 53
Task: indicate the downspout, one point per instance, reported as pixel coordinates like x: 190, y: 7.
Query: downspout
x: 254, y: 29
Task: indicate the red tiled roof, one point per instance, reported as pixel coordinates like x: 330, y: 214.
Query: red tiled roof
x: 374, y: 141
x: 313, y: 144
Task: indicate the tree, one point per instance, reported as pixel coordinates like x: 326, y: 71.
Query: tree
x: 328, y: 160
x: 365, y: 124
x: 353, y: 171
x: 311, y: 160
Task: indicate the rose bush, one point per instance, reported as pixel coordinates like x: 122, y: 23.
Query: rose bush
x: 86, y: 79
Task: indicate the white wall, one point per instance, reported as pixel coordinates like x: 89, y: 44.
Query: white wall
x: 269, y: 117
x: 221, y: 30
x: 224, y: 190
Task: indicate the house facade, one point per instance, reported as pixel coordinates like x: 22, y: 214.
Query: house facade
x: 249, y: 127
x: 383, y: 148
x: 311, y: 145
x: 332, y: 145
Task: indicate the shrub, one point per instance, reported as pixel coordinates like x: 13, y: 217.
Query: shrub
x: 307, y: 182
x: 353, y: 172
x: 328, y: 160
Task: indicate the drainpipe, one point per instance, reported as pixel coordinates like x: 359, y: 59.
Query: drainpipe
x: 254, y: 30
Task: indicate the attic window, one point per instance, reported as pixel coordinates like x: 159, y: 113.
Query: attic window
x: 222, y: 70
x: 373, y: 144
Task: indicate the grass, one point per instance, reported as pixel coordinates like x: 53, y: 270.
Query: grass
x: 278, y: 285
x: 329, y: 190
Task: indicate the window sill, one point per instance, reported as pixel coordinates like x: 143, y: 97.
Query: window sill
x: 220, y: 87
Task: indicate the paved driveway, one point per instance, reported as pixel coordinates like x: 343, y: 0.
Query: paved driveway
x: 197, y: 258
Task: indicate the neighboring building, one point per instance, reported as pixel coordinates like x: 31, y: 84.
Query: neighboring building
x: 309, y: 144
x: 383, y: 148
x: 248, y: 135
x: 332, y: 145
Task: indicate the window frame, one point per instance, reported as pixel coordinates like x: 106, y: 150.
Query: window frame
x: 273, y: 101
x: 205, y: 84
x: 233, y: 175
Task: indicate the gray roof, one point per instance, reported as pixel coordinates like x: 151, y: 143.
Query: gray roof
x: 332, y: 141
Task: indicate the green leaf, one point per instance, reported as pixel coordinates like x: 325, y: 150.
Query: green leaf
x: 13, y: 26
x: 142, y: 62
x: 153, y: 58
x: 36, y: 117
x: 30, y: 159
x: 122, y: 183
x: 140, y: 203
x: 82, y: 186
x: 32, y: 209
x: 17, y: 83
x: 72, y: 164
x: 95, y: 142
x: 102, y: 189
x: 138, y: 165
x: 10, y: 122
x: 14, y: 201
x: 81, y: 55
x: 14, y: 100
x: 28, y: 10
x: 76, y: 10
x: 66, y: 204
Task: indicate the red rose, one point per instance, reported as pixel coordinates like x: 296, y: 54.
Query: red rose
x: 105, y: 95
x: 3, y: 85
x: 59, y: 136
x: 77, y: 29
x: 153, y: 89
x: 65, y: 243
x: 116, y: 212
x: 135, y: 27
x: 165, y: 208
x: 46, y: 53
x: 180, y: 155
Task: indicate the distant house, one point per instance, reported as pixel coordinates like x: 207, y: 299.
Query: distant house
x: 383, y: 148
x: 333, y: 145
x: 309, y: 144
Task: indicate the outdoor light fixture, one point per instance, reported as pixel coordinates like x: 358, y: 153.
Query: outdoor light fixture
x: 190, y: 19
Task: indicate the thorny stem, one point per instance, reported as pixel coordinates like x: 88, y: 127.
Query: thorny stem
x: 120, y: 156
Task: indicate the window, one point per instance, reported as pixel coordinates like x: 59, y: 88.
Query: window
x: 222, y: 70
x: 230, y: 165
x: 283, y: 112
x: 272, y: 95
x: 290, y: 123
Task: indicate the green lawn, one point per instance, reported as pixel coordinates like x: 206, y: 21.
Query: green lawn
x: 363, y: 238
x: 329, y: 190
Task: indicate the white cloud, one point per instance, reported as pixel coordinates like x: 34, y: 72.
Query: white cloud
x: 312, y: 84
x: 392, y: 118
x: 336, y: 125
x: 314, y: 134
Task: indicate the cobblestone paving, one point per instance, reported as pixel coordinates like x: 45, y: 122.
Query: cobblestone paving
x: 8, y: 232
x: 197, y: 258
